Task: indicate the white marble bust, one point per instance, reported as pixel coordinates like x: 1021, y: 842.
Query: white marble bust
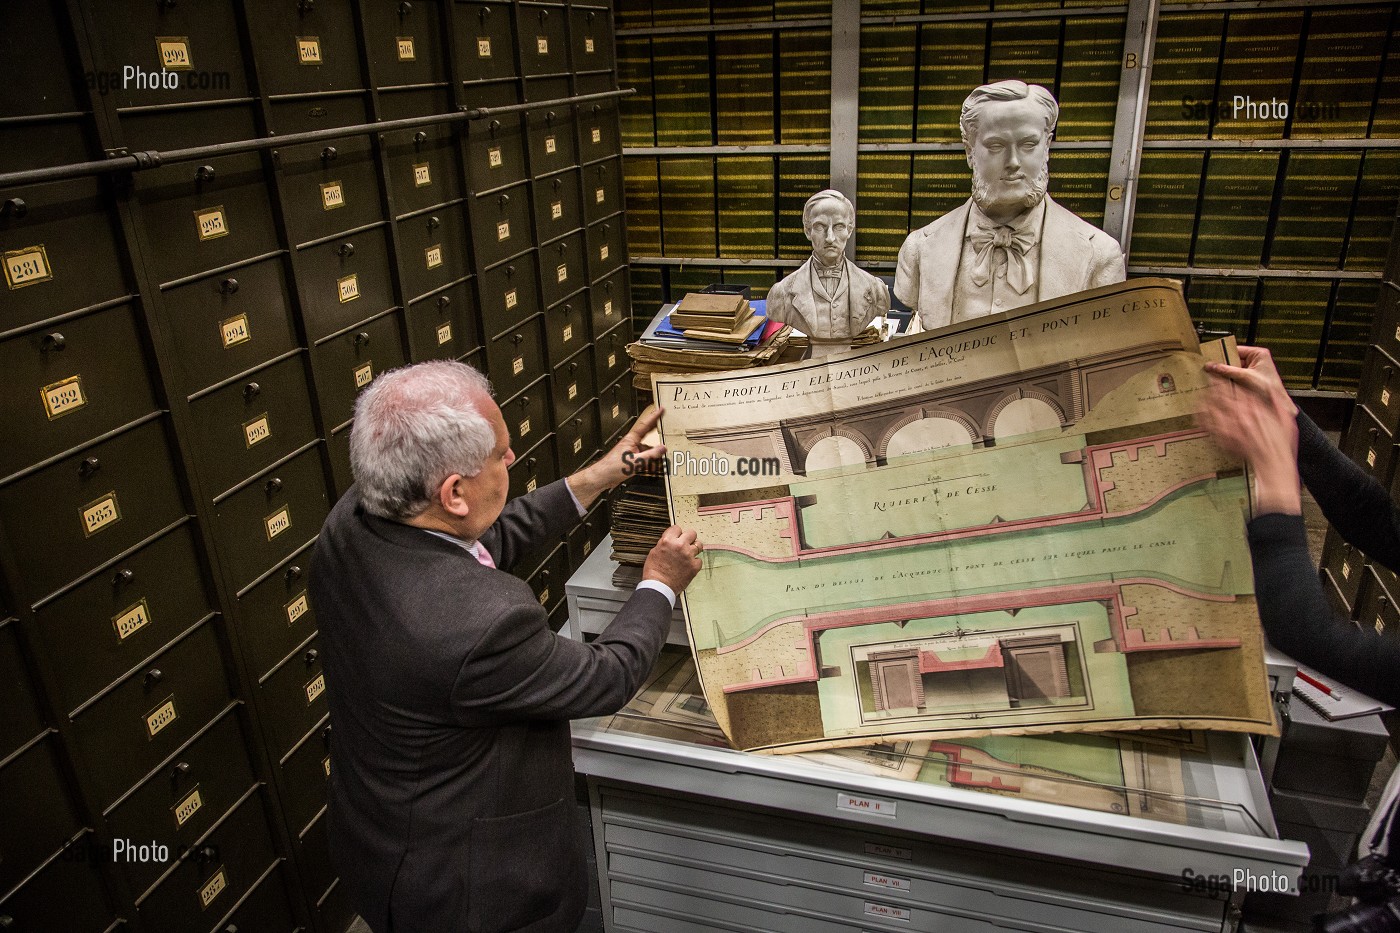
x: 828, y: 298
x: 1009, y: 244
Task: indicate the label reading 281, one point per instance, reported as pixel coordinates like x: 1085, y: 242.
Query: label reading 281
x: 28, y: 266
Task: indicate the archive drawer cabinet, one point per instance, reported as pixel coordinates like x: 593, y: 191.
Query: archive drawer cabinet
x: 282, y: 201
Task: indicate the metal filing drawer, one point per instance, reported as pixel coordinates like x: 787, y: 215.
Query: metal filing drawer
x: 509, y: 294
x: 573, y: 384
x: 527, y: 415
x: 152, y: 713
x: 22, y: 720
x: 251, y: 423
x: 562, y: 268
x: 62, y: 385
x: 433, y: 249
x: 1380, y: 388
x: 1385, y: 332
x: 550, y: 131
x: 306, y: 772
x: 566, y: 328
x: 544, y: 38
x: 534, y: 468
x: 424, y: 165
x: 344, y: 281
x: 515, y: 358
x: 546, y: 577
x: 306, y: 48
x: 495, y: 144
x: 271, y: 517
x: 617, y: 406
x: 331, y: 186
x: 597, y: 124
x: 1345, y: 563
x: 607, y: 247
x: 558, y: 205
x: 602, y: 185
x: 180, y: 38
x: 66, y: 895
x: 214, y: 875
x: 485, y: 41
x: 591, y: 35
x: 276, y: 615
x: 43, y: 68
x: 349, y: 361
x: 444, y: 326
x: 610, y: 354
x: 205, y: 215
x: 58, y: 240
x: 99, y: 502
x: 338, y: 446
x: 266, y: 910
x: 576, y: 439
x: 293, y: 697
x: 1377, y: 608
x: 407, y: 47
x: 501, y: 225
x: 229, y: 323
x: 1370, y: 444
x: 593, y: 529
x: 610, y: 301
x: 118, y: 617
x: 47, y: 819
x: 313, y: 851
x: 176, y: 805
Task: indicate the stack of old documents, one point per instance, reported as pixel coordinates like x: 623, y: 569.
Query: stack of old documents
x: 639, y: 516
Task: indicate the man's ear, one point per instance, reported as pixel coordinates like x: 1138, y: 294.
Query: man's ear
x: 450, y: 497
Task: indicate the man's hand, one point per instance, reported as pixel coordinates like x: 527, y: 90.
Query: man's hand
x: 676, y: 558
x: 627, y: 457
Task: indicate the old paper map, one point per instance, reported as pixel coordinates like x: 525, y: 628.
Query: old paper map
x: 1008, y: 526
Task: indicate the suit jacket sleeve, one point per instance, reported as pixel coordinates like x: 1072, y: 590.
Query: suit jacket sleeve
x: 906, y: 273
x: 529, y: 521
x: 520, y: 669
x: 1107, y: 266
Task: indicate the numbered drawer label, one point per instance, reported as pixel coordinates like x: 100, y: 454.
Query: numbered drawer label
x: 503, y: 231
x: 278, y: 522
x: 603, y: 251
x: 888, y: 911
x: 588, y: 45
x: 562, y: 272
x: 234, y: 331
x: 597, y: 135
x: 160, y: 717
x: 315, y: 688
x: 212, y: 889
x: 600, y: 195
x: 211, y: 223
x: 573, y: 389
x: 174, y: 52
x: 326, y: 765
x: 28, y: 266
x: 422, y: 175
x: 187, y: 808
x: 364, y: 375
x: 544, y: 593
x: 578, y: 444
x: 556, y: 210
x: 877, y: 880
x: 615, y: 410
x: 348, y: 288
x: 550, y: 147
x: 130, y: 621
x: 607, y: 308
x: 511, y: 299
x: 257, y: 430
x: 62, y: 398
x: 612, y: 360
x: 309, y: 50
x: 332, y: 196
x: 297, y: 608
x: 405, y: 47
x: 1385, y: 397
x: 432, y: 256
x: 1346, y: 570
x: 483, y: 47
x: 493, y: 157
x: 517, y: 365
x: 530, y: 486
x: 1371, y: 458
x: 101, y: 514
x: 541, y: 45
x: 444, y: 334
x: 524, y: 427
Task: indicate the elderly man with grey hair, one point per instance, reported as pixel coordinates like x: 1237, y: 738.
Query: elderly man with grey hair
x: 828, y: 298
x: 452, y: 789
x: 1010, y: 244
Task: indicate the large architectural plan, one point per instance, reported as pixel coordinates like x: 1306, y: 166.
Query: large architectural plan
x: 1007, y: 526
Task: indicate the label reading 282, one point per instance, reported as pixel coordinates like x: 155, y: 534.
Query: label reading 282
x: 64, y: 397
x: 100, y: 514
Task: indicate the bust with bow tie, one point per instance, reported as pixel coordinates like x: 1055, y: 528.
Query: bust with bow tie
x: 1010, y: 244
x: 828, y: 298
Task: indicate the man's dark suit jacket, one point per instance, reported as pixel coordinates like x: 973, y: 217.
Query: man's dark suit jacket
x: 451, y: 794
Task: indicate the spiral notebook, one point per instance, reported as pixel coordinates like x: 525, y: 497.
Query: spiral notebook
x: 1331, y: 700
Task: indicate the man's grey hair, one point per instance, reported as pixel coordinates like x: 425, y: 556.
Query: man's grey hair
x: 414, y: 427
x: 1005, y: 91
x: 829, y: 193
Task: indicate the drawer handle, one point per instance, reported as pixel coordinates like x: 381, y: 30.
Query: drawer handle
x: 328, y: 154
x: 362, y: 339
x: 229, y: 286
x: 405, y: 8
x: 52, y: 342
x: 589, y: 17
x: 578, y: 422
x: 503, y: 200
x: 89, y: 466
x: 597, y: 109
x: 494, y: 126
x: 206, y: 854
x: 231, y: 928
x: 293, y: 573
x: 444, y: 301
x: 544, y: 15
x: 419, y: 138
x: 204, y: 173
x: 517, y: 339
x: 510, y: 271
x: 573, y: 368
x: 549, y: 116
x: 7, y: 922
x: 1374, y: 433
x: 311, y: 655
x: 153, y: 677
x: 179, y: 771
x: 250, y: 391
x: 326, y: 735
x: 557, y: 183
x: 434, y: 223
x: 530, y: 464
x: 273, y: 486
x: 306, y: 6
x: 607, y: 286
x: 485, y: 12
x: 122, y: 577
x: 569, y: 308
x: 14, y: 207
x: 347, y: 250
x: 524, y: 402
x: 605, y: 228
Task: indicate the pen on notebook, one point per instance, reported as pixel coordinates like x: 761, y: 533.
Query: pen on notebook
x: 1326, y: 690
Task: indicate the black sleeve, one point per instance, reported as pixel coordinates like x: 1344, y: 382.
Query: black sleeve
x: 1355, y: 504
x: 1300, y: 622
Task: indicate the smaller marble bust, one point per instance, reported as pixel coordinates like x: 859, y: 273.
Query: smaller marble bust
x: 828, y: 298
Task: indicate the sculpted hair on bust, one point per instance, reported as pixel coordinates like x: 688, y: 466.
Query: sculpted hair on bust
x: 820, y: 196
x: 1005, y: 91
x: 414, y: 427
